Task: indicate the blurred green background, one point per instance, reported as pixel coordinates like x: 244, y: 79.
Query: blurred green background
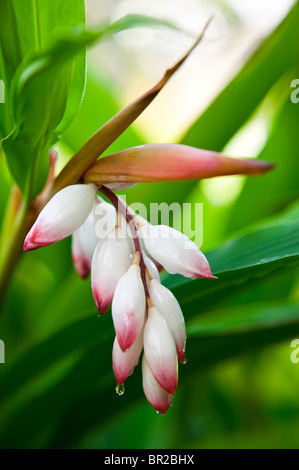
x: 239, y: 388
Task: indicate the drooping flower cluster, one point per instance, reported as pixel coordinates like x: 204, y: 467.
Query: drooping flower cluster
x: 125, y: 269
x: 124, y: 266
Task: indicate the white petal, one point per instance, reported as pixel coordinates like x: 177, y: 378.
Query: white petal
x: 174, y: 251
x: 105, y: 219
x: 124, y: 362
x: 110, y: 261
x: 151, y: 267
x: 128, y: 307
x: 155, y: 394
x: 164, y: 300
x: 160, y: 350
x: 99, y: 223
x: 81, y: 261
x: 63, y: 214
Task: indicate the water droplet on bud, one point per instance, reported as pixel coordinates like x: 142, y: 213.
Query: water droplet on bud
x: 120, y: 389
x: 160, y: 413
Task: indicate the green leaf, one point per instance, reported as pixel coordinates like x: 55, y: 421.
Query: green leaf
x: 40, y: 101
x: 254, y: 254
x: 241, y: 97
x: 97, y: 108
x: 280, y: 188
x: 241, y: 330
x: 42, y: 94
x: 26, y: 27
x: 98, y: 407
x: 244, y: 318
x: 82, y: 394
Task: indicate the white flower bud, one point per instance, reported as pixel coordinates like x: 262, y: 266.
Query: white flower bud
x: 155, y: 394
x: 124, y: 362
x: 64, y: 213
x: 164, y: 300
x: 82, y: 262
x: 100, y: 221
x: 110, y: 261
x: 160, y: 350
x: 174, y: 251
x: 87, y: 234
x: 128, y: 307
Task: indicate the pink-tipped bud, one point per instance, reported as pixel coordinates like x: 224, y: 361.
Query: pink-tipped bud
x: 155, y: 394
x: 99, y: 223
x: 160, y: 350
x: 63, y: 214
x: 175, y: 252
x: 110, y: 261
x: 124, y: 362
x: 164, y: 300
x: 82, y: 262
x: 128, y: 307
x: 168, y: 162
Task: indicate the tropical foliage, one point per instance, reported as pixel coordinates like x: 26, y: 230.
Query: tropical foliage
x: 57, y: 385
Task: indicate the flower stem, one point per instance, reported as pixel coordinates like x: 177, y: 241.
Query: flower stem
x: 122, y: 208
x: 12, y: 208
x: 11, y: 248
x: 14, y: 230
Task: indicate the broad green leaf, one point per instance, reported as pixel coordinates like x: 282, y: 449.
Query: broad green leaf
x: 280, y: 188
x: 27, y: 27
x: 40, y: 100
x: 231, y: 334
x: 274, y: 245
x: 244, y: 318
x: 82, y: 395
x: 243, y: 94
x: 40, y: 103
x: 203, y: 350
